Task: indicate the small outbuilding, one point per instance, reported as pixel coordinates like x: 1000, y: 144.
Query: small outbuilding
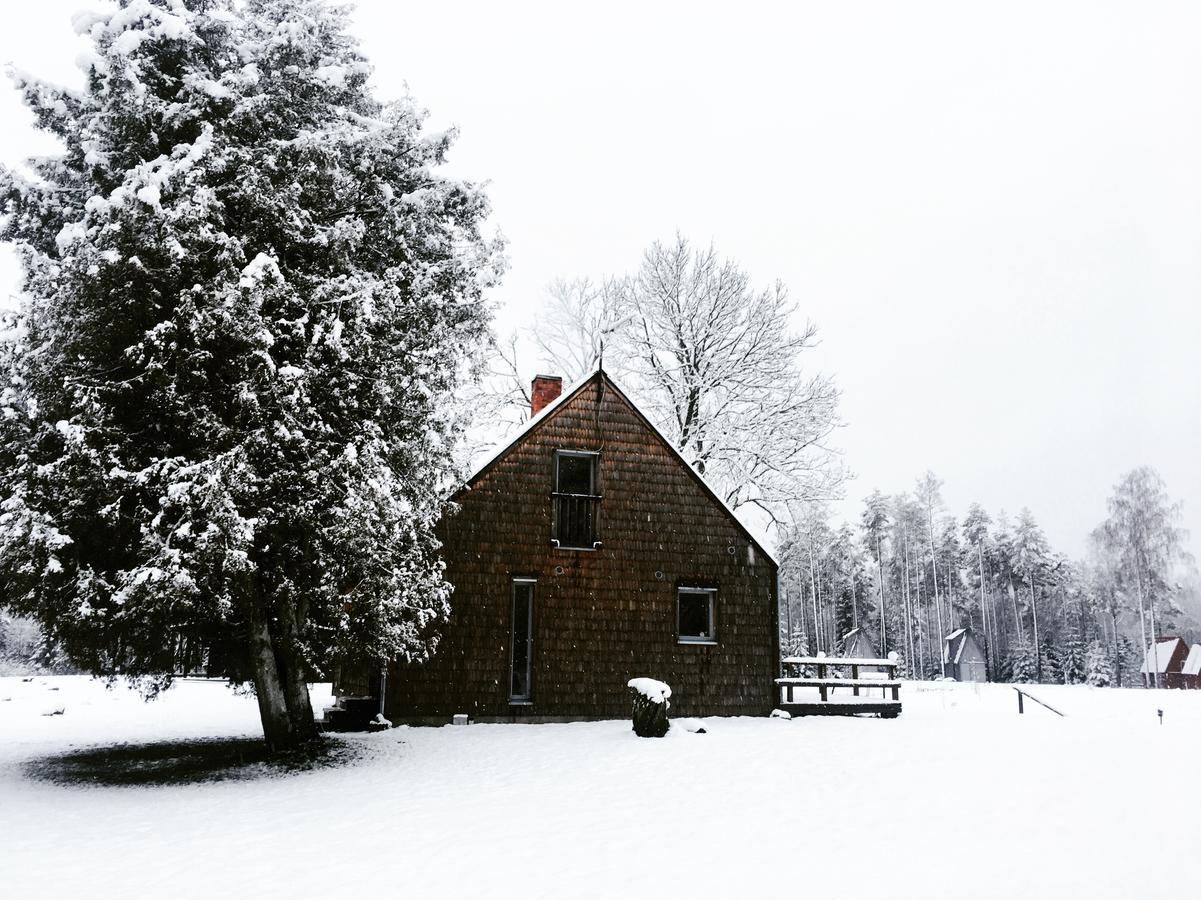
x: 963, y: 658
x: 1166, y: 658
x: 859, y: 644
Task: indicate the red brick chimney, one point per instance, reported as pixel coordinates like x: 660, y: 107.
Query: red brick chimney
x: 543, y: 391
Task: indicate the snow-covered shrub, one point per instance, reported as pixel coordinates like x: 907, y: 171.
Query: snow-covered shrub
x: 650, y: 705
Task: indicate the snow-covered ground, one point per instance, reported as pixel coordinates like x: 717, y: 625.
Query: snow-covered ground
x: 958, y: 797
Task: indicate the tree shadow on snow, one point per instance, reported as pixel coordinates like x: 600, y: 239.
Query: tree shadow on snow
x: 198, y: 761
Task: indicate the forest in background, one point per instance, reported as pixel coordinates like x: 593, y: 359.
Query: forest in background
x: 910, y: 572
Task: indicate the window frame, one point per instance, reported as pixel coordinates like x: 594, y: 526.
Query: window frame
x: 594, y: 495
x: 592, y: 455
x: 526, y: 699
x: 711, y: 592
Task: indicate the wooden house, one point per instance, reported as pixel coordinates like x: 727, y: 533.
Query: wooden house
x: 1166, y: 657
x: 963, y: 658
x: 586, y: 552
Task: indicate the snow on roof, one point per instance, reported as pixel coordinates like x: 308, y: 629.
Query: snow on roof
x: 574, y: 389
x: 531, y: 423
x: 953, y: 643
x: 1192, y: 665
x: 1159, y: 657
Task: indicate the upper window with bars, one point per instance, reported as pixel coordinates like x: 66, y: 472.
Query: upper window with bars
x: 576, y: 500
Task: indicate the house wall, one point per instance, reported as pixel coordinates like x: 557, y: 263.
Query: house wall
x: 600, y: 617
x: 1173, y: 677
x: 971, y: 662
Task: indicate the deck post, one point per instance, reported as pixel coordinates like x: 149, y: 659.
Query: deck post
x: 855, y: 677
x: 1021, y: 709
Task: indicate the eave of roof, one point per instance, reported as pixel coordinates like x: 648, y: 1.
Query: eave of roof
x: 1159, y: 655
x: 555, y: 405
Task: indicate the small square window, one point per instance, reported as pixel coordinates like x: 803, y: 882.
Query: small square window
x: 696, y: 615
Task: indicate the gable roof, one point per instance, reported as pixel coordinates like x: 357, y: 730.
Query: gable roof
x: 568, y: 394
x: 1160, y: 660
x: 852, y: 640
x: 953, y: 644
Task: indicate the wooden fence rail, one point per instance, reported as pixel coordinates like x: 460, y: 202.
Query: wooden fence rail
x: 1022, y: 708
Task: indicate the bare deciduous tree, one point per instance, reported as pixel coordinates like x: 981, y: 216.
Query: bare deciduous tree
x: 717, y: 365
x: 714, y: 362
x: 574, y: 325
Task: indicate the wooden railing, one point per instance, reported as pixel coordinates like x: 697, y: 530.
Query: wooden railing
x: 576, y: 517
x: 826, y: 682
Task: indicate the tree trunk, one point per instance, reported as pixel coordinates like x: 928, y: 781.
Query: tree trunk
x: 1017, y: 618
x: 1038, y: 656
x: 989, y: 647
x: 1154, y: 639
x: 817, y: 625
x: 942, y: 630
x: 273, y: 706
x: 1142, y: 621
x: 279, y: 683
x: 1117, y: 649
x: 883, y: 619
x: 295, y: 684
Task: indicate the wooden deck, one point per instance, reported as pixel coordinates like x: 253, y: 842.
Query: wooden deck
x: 885, y: 709
x: 866, y: 677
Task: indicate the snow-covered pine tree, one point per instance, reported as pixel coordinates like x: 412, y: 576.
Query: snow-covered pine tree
x: 796, y: 643
x: 1098, y: 665
x: 247, y: 294
x: 1022, y: 664
x: 1073, y: 658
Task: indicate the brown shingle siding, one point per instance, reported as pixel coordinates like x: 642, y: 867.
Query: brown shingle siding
x: 606, y: 617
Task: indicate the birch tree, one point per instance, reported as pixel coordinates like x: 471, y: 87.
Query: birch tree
x: 1143, y: 536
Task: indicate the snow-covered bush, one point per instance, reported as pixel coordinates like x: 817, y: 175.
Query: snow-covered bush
x: 650, y: 705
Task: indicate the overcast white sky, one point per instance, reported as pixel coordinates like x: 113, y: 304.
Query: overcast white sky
x: 993, y: 212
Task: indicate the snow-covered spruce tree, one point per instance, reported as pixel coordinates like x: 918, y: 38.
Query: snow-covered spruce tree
x: 1098, y: 665
x: 247, y: 295
x: 1073, y: 658
x: 1022, y: 663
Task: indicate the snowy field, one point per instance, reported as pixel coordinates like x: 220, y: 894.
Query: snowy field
x: 958, y: 797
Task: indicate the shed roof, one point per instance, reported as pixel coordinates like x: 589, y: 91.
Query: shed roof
x: 570, y: 392
x: 1159, y: 657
